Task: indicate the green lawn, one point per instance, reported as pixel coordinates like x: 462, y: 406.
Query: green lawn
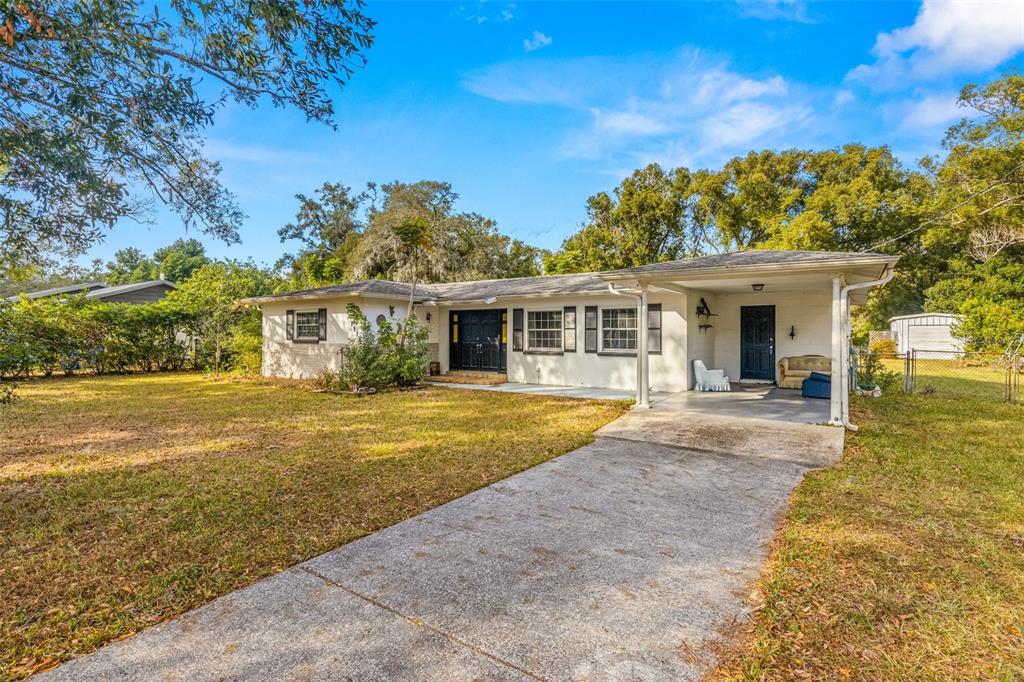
x: 906, y: 560
x: 128, y: 500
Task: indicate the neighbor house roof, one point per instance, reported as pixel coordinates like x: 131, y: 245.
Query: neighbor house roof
x: 98, y: 291
x: 57, y: 291
x: 590, y: 282
x: 122, y: 289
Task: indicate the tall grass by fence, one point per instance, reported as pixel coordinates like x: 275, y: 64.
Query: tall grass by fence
x: 985, y: 376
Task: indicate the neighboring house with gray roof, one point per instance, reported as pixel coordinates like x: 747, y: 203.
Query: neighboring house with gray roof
x: 636, y: 327
x: 137, y: 292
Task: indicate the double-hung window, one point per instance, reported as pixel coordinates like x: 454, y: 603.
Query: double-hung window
x: 618, y: 329
x: 307, y: 325
x: 544, y: 330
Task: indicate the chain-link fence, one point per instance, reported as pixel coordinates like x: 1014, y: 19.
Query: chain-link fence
x: 952, y: 374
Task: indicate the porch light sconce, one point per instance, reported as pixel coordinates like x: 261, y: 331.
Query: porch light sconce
x: 428, y: 316
x: 391, y: 310
x: 792, y: 332
x: 757, y: 287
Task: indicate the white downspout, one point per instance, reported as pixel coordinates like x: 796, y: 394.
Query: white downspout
x: 643, y: 393
x: 890, y: 271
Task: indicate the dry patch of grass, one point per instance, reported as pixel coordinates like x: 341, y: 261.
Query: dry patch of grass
x: 905, y: 561
x: 128, y: 500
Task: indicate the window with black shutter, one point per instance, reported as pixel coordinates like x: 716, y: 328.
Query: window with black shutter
x: 590, y: 329
x: 517, y: 329
x: 654, y: 328
x: 307, y: 326
x: 569, y: 329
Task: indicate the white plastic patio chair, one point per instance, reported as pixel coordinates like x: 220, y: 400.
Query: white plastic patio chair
x: 709, y: 379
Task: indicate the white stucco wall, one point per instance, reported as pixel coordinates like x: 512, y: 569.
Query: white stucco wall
x: 667, y: 370
x: 700, y: 344
x: 670, y: 370
x: 810, y: 312
x: 290, y: 360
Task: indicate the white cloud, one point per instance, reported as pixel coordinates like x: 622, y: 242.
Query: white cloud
x: 537, y: 41
x: 483, y: 12
x: 688, y: 107
x: 769, y: 10
x: 747, y: 122
x: 948, y: 36
x: 842, y: 98
x: 626, y: 123
x: 926, y: 113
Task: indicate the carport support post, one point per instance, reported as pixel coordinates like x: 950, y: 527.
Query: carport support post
x: 836, y: 395
x: 643, y: 384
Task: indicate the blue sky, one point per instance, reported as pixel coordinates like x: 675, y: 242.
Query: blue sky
x: 528, y: 108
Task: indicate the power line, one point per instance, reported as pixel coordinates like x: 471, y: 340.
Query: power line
x: 950, y: 210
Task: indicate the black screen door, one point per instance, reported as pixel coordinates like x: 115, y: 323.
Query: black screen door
x: 479, y: 345
x: 757, y: 342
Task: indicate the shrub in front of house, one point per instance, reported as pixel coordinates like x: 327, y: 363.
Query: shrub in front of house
x: 392, y: 354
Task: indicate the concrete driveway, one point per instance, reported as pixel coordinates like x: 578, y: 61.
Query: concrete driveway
x: 623, y: 560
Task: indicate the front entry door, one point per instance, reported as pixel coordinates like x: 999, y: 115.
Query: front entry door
x: 477, y: 340
x: 757, y: 342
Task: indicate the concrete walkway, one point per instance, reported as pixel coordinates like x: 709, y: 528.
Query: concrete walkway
x: 561, y: 391
x: 623, y: 560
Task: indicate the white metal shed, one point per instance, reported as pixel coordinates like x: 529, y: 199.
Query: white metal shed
x: 925, y: 331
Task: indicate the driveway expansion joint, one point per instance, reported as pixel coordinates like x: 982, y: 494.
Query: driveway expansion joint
x: 426, y: 626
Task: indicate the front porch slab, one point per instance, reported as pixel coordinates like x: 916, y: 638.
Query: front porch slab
x: 761, y: 422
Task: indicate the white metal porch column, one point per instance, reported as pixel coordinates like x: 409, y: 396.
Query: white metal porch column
x: 836, y: 394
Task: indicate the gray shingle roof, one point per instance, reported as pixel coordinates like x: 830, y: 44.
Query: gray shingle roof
x: 518, y: 286
x: 752, y: 258
x: 370, y: 287
x: 591, y: 282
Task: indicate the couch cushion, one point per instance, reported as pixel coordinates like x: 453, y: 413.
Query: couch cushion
x: 810, y: 363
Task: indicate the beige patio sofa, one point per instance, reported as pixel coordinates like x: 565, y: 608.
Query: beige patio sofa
x: 793, y: 370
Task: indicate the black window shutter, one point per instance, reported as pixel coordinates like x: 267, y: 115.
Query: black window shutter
x: 289, y: 330
x: 590, y: 329
x: 322, y: 320
x: 654, y: 328
x: 569, y: 329
x: 517, y: 329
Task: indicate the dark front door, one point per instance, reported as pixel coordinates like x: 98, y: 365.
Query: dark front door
x: 757, y: 342
x: 476, y: 340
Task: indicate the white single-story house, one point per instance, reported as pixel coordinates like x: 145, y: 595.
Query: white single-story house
x: 929, y: 332
x: 638, y: 327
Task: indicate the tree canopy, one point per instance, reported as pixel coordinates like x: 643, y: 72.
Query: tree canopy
x: 957, y: 221
x: 175, y: 262
x: 648, y: 218
x: 347, y: 236
x: 105, y: 104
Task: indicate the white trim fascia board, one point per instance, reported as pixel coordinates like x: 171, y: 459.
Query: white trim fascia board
x: 823, y: 267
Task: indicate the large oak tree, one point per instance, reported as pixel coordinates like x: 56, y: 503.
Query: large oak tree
x: 103, y: 105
